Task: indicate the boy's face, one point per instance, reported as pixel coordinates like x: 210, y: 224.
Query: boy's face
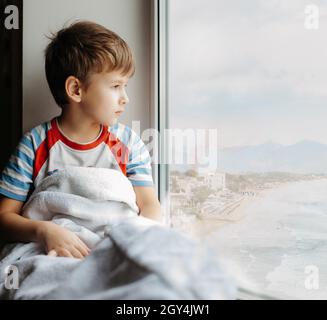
x: 105, y: 97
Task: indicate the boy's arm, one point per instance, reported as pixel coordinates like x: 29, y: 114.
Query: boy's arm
x: 56, y: 239
x: 13, y: 226
x: 148, y: 203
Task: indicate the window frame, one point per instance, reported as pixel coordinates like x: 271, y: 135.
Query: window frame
x: 159, y: 119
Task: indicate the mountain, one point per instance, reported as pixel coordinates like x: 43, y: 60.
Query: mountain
x: 303, y: 157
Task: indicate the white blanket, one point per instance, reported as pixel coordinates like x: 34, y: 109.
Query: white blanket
x: 130, y: 252
x: 84, y: 200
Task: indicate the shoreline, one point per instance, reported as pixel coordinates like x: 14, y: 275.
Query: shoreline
x: 201, y: 228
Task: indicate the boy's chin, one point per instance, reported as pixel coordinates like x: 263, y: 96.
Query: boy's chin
x: 110, y: 122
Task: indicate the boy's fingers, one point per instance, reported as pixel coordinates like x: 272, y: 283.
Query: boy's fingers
x: 84, y: 245
x: 76, y: 253
x: 65, y: 253
x: 52, y: 253
x: 83, y: 250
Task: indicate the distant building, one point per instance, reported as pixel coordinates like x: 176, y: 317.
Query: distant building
x: 179, y: 199
x: 215, y: 180
x: 185, y: 184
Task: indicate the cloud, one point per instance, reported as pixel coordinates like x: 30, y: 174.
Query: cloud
x: 240, y: 63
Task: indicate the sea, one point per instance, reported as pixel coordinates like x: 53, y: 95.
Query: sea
x: 279, y: 248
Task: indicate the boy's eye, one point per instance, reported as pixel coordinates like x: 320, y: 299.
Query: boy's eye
x: 117, y: 86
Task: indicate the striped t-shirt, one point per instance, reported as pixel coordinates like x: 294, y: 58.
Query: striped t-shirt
x: 45, y: 149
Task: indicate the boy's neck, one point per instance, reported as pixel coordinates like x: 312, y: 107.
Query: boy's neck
x: 78, y: 127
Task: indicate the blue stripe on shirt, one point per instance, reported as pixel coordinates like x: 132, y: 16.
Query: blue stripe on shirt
x: 12, y: 195
x: 139, y: 171
x: 36, y: 136
x: 45, y: 127
x: 28, y: 143
x: 24, y: 157
x: 15, y: 182
x: 142, y: 183
x: 133, y: 165
x: 13, y: 166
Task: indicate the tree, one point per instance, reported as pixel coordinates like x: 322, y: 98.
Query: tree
x: 191, y: 173
x: 201, y: 194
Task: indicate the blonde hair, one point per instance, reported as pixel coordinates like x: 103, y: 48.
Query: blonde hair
x: 81, y: 49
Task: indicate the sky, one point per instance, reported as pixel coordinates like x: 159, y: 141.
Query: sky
x: 248, y: 68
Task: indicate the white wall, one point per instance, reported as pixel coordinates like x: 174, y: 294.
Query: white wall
x: 129, y: 18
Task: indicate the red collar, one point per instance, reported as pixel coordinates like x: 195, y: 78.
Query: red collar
x: 76, y: 145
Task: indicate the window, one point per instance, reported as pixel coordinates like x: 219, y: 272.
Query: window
x: 255, y: 72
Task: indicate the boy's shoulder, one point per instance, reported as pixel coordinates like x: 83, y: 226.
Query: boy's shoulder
x: 34, y: 137
x: 125, y: 134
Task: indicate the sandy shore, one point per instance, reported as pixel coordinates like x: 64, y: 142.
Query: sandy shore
x: 201, y: 228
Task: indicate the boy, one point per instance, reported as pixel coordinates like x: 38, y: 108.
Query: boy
x: 87, y: 68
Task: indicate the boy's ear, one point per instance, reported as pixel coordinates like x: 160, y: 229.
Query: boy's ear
x: 73, y: 88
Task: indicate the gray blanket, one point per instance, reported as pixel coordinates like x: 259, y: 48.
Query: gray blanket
x: 133, y: 258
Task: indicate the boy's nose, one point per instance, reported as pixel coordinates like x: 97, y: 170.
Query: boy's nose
x: 124, y: 100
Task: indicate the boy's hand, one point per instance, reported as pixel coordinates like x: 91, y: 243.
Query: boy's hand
x: 59, y: 241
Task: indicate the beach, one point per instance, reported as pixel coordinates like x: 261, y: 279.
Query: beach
x: 273, y: 238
